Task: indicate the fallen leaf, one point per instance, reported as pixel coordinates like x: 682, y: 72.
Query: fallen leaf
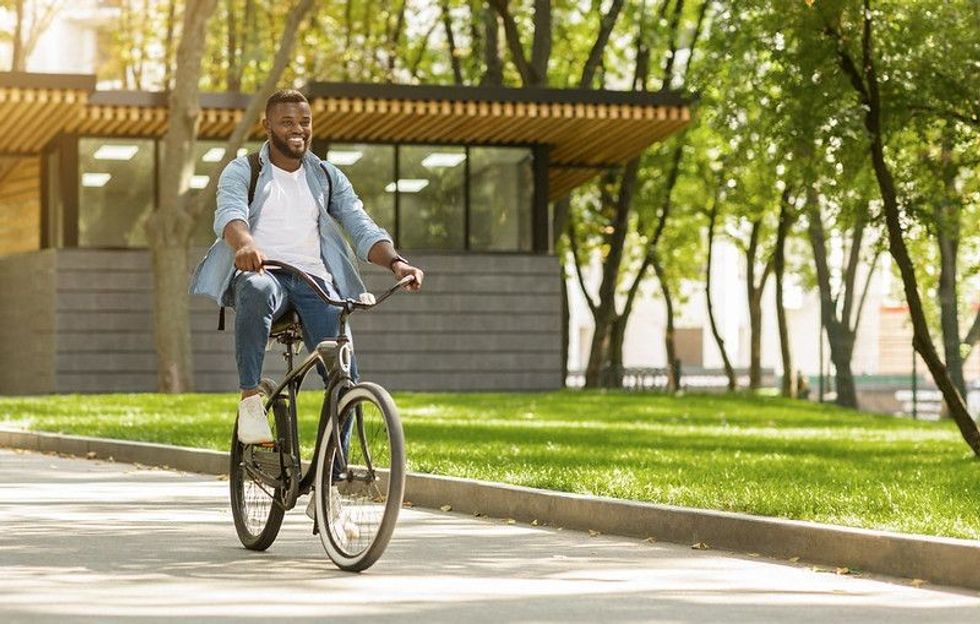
x: 446, y: 508
x: 594, y: 533
x: 408, y: 503
x: 700, y: 546
x: 111, y: 459
x: 91, y: 455
x: 534, y: 522
x: 753, y: 554
x: 794, y: 559
x: 918, y: 582
x: 842, y: 571
x: 222, y: 477
x: 477, y: 514
x: 511, y: 521
x: 649, y: 540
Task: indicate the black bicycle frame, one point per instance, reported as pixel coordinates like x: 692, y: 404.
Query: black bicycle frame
x: 338, y: 380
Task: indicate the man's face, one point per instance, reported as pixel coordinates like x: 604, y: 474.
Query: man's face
x: 289, y: 126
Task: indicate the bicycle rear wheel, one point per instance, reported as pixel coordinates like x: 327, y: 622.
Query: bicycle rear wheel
x: 255, y: 504
x: 357, y: 509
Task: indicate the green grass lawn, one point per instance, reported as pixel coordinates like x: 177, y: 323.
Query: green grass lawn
x: 765, y: 456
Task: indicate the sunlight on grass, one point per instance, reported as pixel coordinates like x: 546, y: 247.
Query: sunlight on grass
x: 758, y: 455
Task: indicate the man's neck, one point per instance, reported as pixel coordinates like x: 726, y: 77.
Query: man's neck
x: 284, y: 162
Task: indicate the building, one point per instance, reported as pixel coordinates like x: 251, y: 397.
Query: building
x: 461, y: 176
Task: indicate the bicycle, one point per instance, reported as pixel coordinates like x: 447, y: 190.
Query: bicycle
x: 357, y: 488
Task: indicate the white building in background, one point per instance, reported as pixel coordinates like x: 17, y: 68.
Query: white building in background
x: 883, y: 347
x: 70, y: 44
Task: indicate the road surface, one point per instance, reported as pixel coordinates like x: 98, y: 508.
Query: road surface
x: 94, y: 541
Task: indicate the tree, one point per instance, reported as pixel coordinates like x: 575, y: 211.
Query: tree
x: 170, y: 226
x: 861, y: 73
x: 31, y: 19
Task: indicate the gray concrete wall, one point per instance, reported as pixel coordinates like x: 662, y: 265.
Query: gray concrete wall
x: 27, y: 323
x: 483, y: 322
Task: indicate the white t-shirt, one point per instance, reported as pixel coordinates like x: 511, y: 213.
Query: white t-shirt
x: 288, y: 226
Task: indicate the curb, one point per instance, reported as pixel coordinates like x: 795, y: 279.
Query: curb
x: 938, y: 560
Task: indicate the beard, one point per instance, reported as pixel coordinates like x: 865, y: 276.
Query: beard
x: 286, y: 149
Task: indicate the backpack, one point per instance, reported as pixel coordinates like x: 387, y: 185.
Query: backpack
x: 255, y: 168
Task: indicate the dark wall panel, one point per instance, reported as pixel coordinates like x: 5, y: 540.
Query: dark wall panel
x: 27, y: 323
x: 483, y: 322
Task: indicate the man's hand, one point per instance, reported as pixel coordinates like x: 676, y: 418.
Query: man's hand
x: 402, y: 269
x: 249, y: 258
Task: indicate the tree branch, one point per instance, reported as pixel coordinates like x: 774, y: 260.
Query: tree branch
x: 514, y: 44
x: 451, y: 41
x: 606, y: 25
x: 576, y: 260
x: 864, y: 291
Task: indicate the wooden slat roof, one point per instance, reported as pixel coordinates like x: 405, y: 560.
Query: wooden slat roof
x: 586, y: 130
x: 34, y: 108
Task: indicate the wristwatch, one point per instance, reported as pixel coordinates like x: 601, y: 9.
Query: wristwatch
x: 391, y: 265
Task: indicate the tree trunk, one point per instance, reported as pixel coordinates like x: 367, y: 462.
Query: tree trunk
x: 870, y: 99
x: 494, y: 75
x: 171, y: 322
x: 233, y: 77
x: 754, y: 295
x: 168, y: 45
x: 605, y: 311
x: 755, y: 340
x: 670, y: 345
x: 18, y: 61
x: 788, y: 386
x: 840, y: 334
x: 947, y: 237
x: 560, y: 225
x: 729, y: 370
x: 168, y: 228
x: 451, y: 42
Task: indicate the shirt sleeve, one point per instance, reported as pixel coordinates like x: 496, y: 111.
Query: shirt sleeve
x: 232, y: 197
x: 346, y: 207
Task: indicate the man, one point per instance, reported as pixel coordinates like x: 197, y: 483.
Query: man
x: 292, y: 219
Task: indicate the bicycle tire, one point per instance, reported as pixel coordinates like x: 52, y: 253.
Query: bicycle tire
x: 375, y: 519
x: 258, y: 517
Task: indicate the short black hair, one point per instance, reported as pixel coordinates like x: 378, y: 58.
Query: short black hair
x: 282, y: 96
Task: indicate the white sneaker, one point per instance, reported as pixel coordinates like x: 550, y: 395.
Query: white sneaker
x: 253, y: 426
x: 340, y: 518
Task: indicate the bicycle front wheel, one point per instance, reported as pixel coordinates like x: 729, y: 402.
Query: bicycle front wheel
x: 357, y: 507
x: 255, y: 502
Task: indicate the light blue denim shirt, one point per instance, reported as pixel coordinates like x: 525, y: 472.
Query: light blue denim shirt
x: 213, y: 275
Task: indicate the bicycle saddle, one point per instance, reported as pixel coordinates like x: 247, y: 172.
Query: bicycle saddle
x: 288, y: 321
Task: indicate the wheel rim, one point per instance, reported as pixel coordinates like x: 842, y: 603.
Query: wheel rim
x: 255, y: 500
x: 357, y: 503
x: 256, y: 504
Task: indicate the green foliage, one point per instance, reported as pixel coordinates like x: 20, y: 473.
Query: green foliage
x: 765, y: 456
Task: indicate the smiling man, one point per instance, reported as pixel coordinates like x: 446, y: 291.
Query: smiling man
x: 300, y: 204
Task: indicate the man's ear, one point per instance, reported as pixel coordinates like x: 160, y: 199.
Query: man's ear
x: 265, y: 124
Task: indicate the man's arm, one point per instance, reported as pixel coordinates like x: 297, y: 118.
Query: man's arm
x: 383, y: 254
x: 248, y: 257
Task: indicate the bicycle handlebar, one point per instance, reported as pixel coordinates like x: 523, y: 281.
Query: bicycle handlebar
x: 347, y: 304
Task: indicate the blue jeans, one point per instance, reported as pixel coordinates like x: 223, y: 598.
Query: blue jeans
x: 261, y: 298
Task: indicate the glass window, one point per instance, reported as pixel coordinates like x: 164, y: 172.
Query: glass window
x: 117, y: 193
x: 371, y: 170
x: 501, y: 196
x: 207, y: 154
x: 431, y: 197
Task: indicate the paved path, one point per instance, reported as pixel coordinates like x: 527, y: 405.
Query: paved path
x: 88, y: 541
